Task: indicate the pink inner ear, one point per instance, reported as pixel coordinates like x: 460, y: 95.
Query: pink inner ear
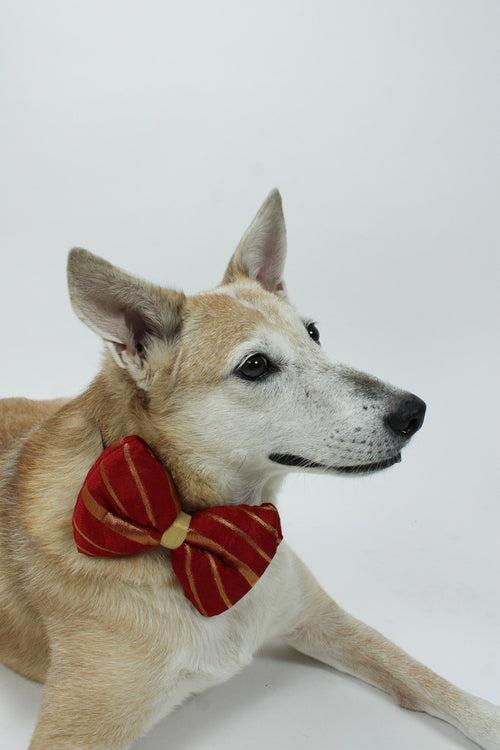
x: 263, y: 278
x: 264, y: 275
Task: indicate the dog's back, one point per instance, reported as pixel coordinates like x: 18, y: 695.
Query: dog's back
x: 20, y: 415
x: 23, y: 644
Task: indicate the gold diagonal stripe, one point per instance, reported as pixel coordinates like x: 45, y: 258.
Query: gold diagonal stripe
x: 92, y: 505
x: 107, y: 484
x: 97, y: 546
x: 248, y: 539
x: 139, y: 485
x: 269, y: 506
x: 192, y: 585
x: 261, y: 521
x: 118, y: 525
x: 218, y: 581
x: 247, y: 573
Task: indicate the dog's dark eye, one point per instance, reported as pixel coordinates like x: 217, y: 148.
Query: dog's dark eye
x: 313, y: 332
x: 254, y: 367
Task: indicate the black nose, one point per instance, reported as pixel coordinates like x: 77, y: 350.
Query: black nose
x: 408, y: 416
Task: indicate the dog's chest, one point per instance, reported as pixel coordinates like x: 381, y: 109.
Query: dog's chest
x: 213, y: 649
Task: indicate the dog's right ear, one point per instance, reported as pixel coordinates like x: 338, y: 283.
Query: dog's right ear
x: 127, y: 312
x: 261, y: 252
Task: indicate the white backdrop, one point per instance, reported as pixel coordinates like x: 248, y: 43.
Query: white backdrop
x: 150, y: 132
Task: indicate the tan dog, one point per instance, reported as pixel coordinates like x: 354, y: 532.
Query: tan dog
x: 231, y: 390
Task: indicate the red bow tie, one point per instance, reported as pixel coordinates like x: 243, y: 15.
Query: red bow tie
x: 128, y: 503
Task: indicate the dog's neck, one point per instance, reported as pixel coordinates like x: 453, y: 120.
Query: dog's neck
x: 118, y: 408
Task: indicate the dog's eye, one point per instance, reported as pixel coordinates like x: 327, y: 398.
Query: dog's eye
x: 254, y: 367
x: 313, y: 332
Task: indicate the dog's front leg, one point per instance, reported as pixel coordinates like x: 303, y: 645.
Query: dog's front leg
x: 105, y: 688
x: 326, y: 632
x: 77, y: 715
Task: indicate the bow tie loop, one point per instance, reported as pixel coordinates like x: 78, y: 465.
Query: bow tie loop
x: 128, y: 504
x: 177, y: 532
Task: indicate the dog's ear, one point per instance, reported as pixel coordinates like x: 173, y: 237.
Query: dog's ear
x: 262, y: 250
x: 128, y: 313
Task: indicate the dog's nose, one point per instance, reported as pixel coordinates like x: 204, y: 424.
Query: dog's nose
x: 408, y: 417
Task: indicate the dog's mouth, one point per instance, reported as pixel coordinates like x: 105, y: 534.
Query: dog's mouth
x: 287, y: 459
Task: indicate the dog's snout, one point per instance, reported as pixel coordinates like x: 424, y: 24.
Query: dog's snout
x: 408, y: 417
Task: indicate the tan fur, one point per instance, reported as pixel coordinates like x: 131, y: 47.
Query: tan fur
x: 19, y: 415
x: 23, y: 642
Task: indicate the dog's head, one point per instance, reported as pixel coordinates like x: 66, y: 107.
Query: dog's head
x: 233, y: 383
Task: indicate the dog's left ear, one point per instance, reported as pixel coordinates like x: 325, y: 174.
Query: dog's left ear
x: 261, y: 253
x: 131, y: 315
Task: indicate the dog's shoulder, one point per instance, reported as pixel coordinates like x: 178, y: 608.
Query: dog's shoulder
x: 52, y: 462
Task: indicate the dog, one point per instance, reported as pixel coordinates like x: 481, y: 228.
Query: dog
x: 230, y: 390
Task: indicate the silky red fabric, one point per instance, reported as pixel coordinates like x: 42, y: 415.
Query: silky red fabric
x: 127, y: 502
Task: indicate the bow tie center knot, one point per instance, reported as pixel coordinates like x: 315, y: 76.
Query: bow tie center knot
x: 176, y: 534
